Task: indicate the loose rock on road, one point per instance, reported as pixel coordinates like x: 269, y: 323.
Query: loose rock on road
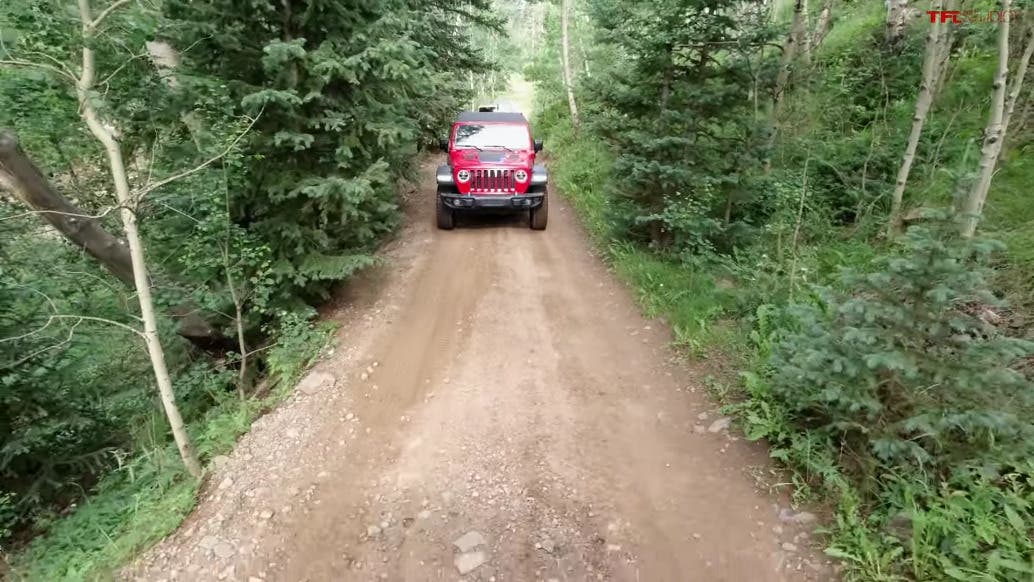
x: 496, y: 409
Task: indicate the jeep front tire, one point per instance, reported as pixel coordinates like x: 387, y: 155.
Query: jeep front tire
x: 445, y: 215
x: 539, y: 216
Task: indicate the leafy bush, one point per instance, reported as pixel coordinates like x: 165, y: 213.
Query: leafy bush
x: 896, y: 396
x: 8, y: 514
x: 973, y: 526
x: 299, y: 341
x: 148, y: 495
x: 140, y: 502
x: 690, y: 222
x: 904, y: 371
x: 63, y: 397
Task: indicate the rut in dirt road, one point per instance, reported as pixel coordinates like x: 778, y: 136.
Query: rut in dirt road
x: 497, y: 409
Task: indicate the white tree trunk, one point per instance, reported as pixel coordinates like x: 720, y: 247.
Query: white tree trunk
x: 898, y: 14
x: 800, y: 25
x: 931, y: 68
x: 584, y: 53
x: 238, y: 306
x: 536, y: 27
x: 1017, y: 83
x: 994, y: 134
x: 106, y: 135
x: 822, y: 24
x: 565, y: 10
x: 790, y: 49
x: 947, y: 43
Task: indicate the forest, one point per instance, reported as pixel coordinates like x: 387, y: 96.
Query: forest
x: 829, y: 201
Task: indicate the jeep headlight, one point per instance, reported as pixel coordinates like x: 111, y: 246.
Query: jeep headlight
x: 463, y: 176
x: 521, y: 176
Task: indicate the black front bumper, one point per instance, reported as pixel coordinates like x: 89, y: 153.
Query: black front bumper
x: 487, y: 202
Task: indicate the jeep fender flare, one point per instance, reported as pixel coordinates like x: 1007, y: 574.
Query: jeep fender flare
x: 444, y: 175
x: 539, y: 175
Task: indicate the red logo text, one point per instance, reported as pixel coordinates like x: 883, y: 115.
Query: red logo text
x: 945, y: 16
x: 966, y: 16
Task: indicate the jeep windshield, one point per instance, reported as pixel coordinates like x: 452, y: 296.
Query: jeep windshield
x: 492, y: 136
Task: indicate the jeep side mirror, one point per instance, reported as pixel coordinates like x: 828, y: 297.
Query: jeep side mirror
x: 443, y: 143
x: 538, y: 145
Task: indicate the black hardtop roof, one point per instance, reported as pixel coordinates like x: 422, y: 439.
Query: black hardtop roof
x: 499, y: 116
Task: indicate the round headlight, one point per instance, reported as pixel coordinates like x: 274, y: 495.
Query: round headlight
x: 521, y: 175
x: 463, y: 176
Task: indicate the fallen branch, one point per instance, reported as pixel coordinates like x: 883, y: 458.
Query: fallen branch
x: 81, y: 318
x: 33, y: 64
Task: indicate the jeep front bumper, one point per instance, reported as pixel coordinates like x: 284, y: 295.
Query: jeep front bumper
x: 488, y: 202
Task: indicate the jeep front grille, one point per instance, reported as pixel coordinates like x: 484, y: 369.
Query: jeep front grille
x: 493, y: 181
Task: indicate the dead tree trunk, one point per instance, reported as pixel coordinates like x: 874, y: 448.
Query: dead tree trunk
x: 931, y: 68
x: 30, y: 186
x: 86, y: 232
x: 565, y: 16
x: 116, y: 163
x: 994, y: 134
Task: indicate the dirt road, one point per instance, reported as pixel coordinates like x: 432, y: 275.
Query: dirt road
x: 496, y: 409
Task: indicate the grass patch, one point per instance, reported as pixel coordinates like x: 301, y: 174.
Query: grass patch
x: 580, y: 168
x: 131, y: 508
x: 689, y: 300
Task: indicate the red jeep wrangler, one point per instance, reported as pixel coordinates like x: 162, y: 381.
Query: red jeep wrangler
x: 491, y: 168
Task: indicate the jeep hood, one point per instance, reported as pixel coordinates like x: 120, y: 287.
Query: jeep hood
x: 472, y: 158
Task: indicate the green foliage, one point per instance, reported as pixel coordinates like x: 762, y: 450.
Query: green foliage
x: 689, y: 299
x: 65, y: 391
x: 148, y: 495
x: 901, y: 382
x: 902, y: 371
x: 974, y: 527
x: 667, y: 98
x: 133, y: 506
x: 344, y: 96
x: 1010, y: 221
x: 8, y: 514
x: 580, y: 169
x: 299, y: 341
